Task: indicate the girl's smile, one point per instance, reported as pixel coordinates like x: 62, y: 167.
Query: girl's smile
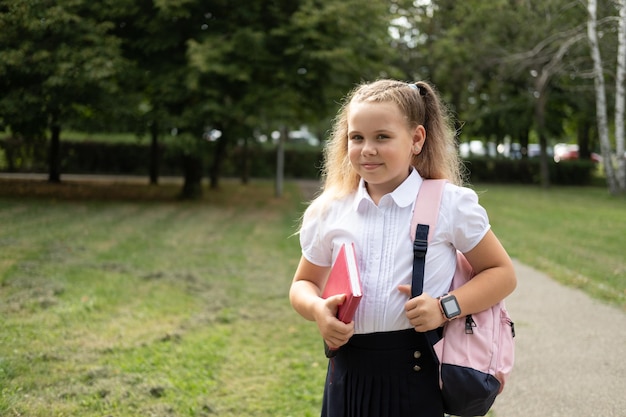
x: 370, y: 166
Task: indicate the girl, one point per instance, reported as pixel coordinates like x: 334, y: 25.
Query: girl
x: 387, y: 137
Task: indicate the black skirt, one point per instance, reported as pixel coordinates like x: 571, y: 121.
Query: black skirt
x: 390, y: 374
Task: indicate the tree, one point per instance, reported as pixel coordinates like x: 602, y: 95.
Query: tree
x: 616, y: 182
x: 548, y: 67
x: 282, y: 63
x: 470, y: 66
x: 155, y: 37
x: 56, y: 63
x: 522, y: 72
x: 620, y: 96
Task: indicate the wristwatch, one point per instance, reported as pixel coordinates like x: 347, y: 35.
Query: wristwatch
x: 449, y: 306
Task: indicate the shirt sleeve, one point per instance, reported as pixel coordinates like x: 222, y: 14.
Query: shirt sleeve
x: 314, y: 249
x: 466, y: 221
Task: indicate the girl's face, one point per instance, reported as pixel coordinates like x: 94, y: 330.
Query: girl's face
x: 381, y: 145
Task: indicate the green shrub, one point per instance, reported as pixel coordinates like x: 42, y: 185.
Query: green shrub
x: 575, y: 172
x: 25, y: 156
x: 528, y: 171
x: 123, y: 158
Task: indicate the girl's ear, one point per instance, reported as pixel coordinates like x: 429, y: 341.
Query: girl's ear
x: 419, y: 137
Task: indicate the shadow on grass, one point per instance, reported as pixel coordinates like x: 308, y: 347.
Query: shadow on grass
x: 231, y: 191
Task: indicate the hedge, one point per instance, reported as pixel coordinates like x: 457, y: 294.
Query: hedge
x: 528, y: 171
x: 300, y: 162
x: 134, y: 159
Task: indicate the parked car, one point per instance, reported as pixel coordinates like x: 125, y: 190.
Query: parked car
x: 516, y: 151
x: 474, y: 148
x: 534, y: 150
x: 566, y: 152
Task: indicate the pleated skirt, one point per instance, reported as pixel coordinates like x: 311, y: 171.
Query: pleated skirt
x: 390, y: 374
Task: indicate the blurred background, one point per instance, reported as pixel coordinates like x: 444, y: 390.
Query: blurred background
x: 118, y: 300
x: 232, y: 88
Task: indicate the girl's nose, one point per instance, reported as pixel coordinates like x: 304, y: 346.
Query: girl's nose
x: 369, y: 148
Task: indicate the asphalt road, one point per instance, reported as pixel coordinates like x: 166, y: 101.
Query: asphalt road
x: 569, y: 352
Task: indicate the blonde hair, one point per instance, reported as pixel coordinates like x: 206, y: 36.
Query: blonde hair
x: 421, y: 105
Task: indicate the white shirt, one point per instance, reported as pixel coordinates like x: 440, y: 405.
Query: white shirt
x: 384, y: 249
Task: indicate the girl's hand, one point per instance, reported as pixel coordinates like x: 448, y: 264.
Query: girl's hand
x: 423, y: 311
x: 334, y: 332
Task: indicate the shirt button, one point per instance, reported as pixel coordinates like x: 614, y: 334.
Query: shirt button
x: 417, y: 354
x: 417, y: 368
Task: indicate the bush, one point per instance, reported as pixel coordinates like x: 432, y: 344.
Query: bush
x: 98, y: 158
x: 528, y: 171
x: 133, y: 159
x: 575, y: 172
x: 300, y: 162
x: 25, y: 156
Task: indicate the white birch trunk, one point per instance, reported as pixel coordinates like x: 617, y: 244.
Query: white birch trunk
x: 280, y: 162
x: 601, y: 111
x: 620, y: 97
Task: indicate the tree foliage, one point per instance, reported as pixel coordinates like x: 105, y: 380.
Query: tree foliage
x: 57, y: 62
x: 511, y: 70
x: 163, y: 66
x: 277, y: 64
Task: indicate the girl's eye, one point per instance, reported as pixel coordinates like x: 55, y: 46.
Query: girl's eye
x: 356, y: 137
x: 382, y: 137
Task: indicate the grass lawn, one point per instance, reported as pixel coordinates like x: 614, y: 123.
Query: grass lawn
x: 150, y: 307
x: 136, y: 304
x: 577, y: 235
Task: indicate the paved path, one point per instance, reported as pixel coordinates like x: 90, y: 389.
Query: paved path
x: 94, y: 178
x: 570, y: 350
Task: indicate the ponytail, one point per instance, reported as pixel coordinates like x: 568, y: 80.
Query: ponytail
x: 439, y: 158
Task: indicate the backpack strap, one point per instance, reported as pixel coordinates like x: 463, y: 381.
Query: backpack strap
x: 423, y: 223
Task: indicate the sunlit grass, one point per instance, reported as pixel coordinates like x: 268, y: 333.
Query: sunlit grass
x: 576, y: 235
x: 103, y: 137
x: 153, y: 307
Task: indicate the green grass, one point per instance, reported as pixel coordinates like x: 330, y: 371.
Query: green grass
x: 577, y: 235
x: 104, y: 137
x: 123, y: 301
x: 77, y: 136
x: 152, y: 307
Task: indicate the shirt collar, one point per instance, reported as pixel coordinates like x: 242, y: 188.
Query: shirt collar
x: 404, y: 195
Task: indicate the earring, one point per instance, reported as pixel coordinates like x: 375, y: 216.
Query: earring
x: 417, y: 149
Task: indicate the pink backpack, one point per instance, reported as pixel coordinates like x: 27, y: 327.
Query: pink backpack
x: 475, y: 353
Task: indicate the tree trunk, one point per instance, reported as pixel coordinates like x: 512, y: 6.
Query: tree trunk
x: 523, y: 140
x: 601, y: 111
x: 280, y: 162
x: 620, y: 98
x: 218, y: 157
x: 154, y: 153
x: 10, y: 146
x: 54, y: 157
x: 540, y: 112
x: 245, y: 165
x: 583, y: 138
x: 192, y: 169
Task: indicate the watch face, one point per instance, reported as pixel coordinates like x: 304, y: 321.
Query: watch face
x: 450, y: 307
